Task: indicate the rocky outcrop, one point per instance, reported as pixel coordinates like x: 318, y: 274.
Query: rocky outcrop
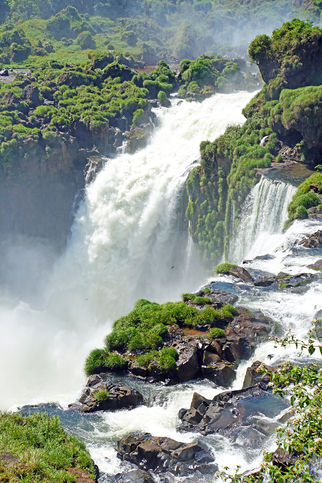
x: 286, y: 281
x: 313, y: 241
x: 102, y: 395
x: 232, y: 414
x: 161, y: 455
x: 316, y: 265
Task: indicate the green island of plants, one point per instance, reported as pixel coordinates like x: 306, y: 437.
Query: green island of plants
x: 37, y: 448
x: 143, y: 333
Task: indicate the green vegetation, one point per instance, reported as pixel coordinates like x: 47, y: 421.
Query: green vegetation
x: 41, y: 450
x: 100, y: 360
x: 144, y: 332
x: 191, y: 297
x: 165, y: 359
x: 308, y: 194
x: 202, y: 77
x: 223, y: 268
x: 216, y: 333
x: 101, y: 395
x: 64, y: 30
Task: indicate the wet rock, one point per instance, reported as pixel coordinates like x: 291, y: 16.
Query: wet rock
x: 313, y: 241
x: 188, y: 362
x: 241, y: 273
x: 316, y: 265
x: 254, y: 375
x: 161, y: 454
x: 221, y: 373
x: 230, y: 412
x: 134, y: 476
x: 100, y: 394
x: 218, y: 298
x: 4, y: 72
x: 286, y: 281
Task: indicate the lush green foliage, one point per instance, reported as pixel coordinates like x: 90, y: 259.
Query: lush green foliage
x: 304, y: 198
x: 189, y: 27
x: 215, y: 333
x: 223, y: 268
x: 44, y: 451
x: 101, y: 395
x: 101, y: 360
x: 202, y: 77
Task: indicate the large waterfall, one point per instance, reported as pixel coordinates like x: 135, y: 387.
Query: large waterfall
x: 125, y: 245
x: 262, y: 218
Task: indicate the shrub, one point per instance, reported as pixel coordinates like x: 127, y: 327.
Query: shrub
x: 167, y: 358
x: 202, y: 300
x: 188, y: 296
x: 216, y: 333
x: 95, y: 362
x: 164, y: 101
x: 101, y: 395
x: 223, y: 268
x: 115, y: 362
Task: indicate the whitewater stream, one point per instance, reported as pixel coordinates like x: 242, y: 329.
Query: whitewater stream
x: 125, y: 244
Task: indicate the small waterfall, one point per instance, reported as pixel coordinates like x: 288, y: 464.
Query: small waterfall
x: 261, y: 223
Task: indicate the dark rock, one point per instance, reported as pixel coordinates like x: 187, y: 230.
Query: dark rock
x: 241, y: 273
x: 316, y: 265
x: 220, y: 373
x: 313, y: 241
x: 188, y: 362
x: 31, y: 94
x: 134, y: 476
x: 4, y: 72
x: 253, y: 376
x: 117, y: 396
x: 161, y: 454
x: 231, y: 412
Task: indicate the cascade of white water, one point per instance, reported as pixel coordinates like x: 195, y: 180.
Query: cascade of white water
x: 262, y: 219
x: 125, y: 245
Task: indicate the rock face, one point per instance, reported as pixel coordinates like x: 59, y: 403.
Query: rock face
x: 161, y: 454
x: 313, y: 241
x: 285, y: 281
x: 100, y: 394
x: 232, y: 413
x: 316, y: 265
x: 241, y: 273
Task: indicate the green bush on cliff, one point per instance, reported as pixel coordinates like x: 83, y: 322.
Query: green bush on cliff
x: 100, y: 360
x: 216, y: 333
x: 223, y: 268
x: 165, y: 359
x: 304, y: 198
x: 42, y: 448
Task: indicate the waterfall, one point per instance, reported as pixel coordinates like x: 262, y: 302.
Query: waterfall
x: 125, y: 244
x: 261, y: 223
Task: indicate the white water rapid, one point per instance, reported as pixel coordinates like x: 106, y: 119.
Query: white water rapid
x: 125, y: 245
x: 262, y: 219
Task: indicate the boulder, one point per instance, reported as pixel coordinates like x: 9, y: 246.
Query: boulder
x: 221, y: 373
x: 255, y: 376
x: 241, y: 273
x: 231, y: 412
x: 162, y: 454
x: 316, y: 265
x: 101, y: 395
x: 31, y: 94
x: 313, y: 241
x: 188, y: 362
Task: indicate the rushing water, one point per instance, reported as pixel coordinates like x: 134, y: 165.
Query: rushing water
x: 263, y: 216
x: 125, y: 245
